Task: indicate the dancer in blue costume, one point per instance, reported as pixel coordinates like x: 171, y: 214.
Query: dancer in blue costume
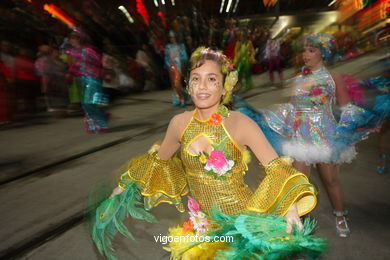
x: 86, y: 68
x: 306, y: 128
x: 175, y: 61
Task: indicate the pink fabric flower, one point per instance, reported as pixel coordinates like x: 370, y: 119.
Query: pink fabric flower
x: 217, y: 159
x: 316, y: 92
x: 306, y: 70
x: 193, y: 205
x: 218, y: 163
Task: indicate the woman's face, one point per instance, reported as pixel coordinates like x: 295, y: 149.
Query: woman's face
x: 206, y: 85
x: 311, y: 56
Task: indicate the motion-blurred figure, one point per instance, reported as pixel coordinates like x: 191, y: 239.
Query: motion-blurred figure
x: 244, y: 58
x: 306, y: 125
x: 111, y: 73
x: 175, y: 61
x: 7, y: 89
x: 26, y: 83
x: 5, y: 76
x: 229, y: 39
x: 272, y: 54
x: 86, y: 67
x: 53, y: 84
x: 144, y: 58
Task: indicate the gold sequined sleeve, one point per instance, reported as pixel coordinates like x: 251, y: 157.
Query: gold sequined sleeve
x: 283, y: 186
x: 160, y: 180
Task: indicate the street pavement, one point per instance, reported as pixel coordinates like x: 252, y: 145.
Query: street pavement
x: 46, y: 201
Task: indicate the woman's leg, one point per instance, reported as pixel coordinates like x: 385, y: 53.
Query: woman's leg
x: 302, y: 167
x: 328, y: 173
x: 96, y: 119
x: 271, y: 69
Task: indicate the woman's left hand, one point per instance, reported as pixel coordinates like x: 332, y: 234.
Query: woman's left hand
x: 292, y: 218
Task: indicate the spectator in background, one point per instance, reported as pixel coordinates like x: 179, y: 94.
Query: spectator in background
x: 111, y: 72
x: 229, y: 39
x: 52, y: 71
x: 26, y: 83
x: 144, y: 58
x: 6, y: 56
x: 244, y: 58
x: 5, y: 76
x: 136, y: 72
x: 272, y: 54
x: 7, y: 61
x: 189, y: 43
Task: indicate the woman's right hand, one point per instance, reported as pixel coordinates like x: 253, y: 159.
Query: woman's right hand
x: 115, y: 192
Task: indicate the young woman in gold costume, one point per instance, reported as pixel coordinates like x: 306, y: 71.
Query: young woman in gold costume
x: 204, y: 153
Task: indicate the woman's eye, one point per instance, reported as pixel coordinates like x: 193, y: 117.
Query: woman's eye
x: 194, y: 79
x: 212, y: 79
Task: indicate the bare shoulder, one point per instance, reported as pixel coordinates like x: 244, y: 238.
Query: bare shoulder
x: 183, y: 116
x: 180, y: 121
x: 334, y: 74
x: 240, y: 118
x: 240, y: 125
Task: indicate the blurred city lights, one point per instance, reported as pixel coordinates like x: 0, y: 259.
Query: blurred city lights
x: 222, y: 5
x: 328, y: 19
x: 141, y: 9
x: 332, y: 3
x: 59, y: 14
x: 235, y: 6
x: 228, y: 6
x: 126, y: 13
x: 284, y: 21
x: 269, y: 2
x: 156, y: 3
x: 173, y: 2
x: 348, y: 8
x: 162, y: 18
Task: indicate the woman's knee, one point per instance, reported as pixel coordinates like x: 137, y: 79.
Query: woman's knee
x: 329, y: 176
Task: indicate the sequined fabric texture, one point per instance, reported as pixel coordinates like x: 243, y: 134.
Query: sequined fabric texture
x: 308, y: 123
x: 161, y: 181
x: 230, y: 193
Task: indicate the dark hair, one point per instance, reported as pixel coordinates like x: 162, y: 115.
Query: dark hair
x: 199, y: 58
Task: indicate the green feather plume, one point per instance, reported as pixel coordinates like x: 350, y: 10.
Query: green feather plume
x: 263, y: 236
x: 108, y: 218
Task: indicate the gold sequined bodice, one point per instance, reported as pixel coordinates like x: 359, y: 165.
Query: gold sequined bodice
x: 229, y: 193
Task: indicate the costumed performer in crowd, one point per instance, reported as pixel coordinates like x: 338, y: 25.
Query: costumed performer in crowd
x: 175, y: 61
x: 204, y: 153
x: 306, y: 128
x: 86, y: 67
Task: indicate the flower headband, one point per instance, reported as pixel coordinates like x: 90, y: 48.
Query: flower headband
x: 226, y: 67
x: 325, y: 41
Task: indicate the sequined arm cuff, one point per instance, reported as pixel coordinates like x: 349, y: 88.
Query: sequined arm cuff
x: 160, y: 180
x: 282, y: 187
